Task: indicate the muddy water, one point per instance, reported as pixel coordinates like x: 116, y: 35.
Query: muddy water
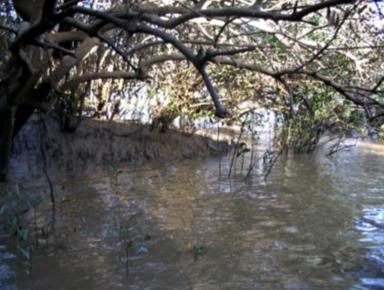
x: 316, y: 223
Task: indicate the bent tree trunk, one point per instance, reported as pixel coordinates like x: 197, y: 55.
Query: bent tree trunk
x: 11, y: 121
x: 3, y: 163
x: 16, y: 83
x: 21, y: 91
x: 6, y: 136
x: 27, y: 78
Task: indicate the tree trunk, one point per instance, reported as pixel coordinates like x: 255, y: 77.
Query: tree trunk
x: 22, y: 115
x: 6, y: 136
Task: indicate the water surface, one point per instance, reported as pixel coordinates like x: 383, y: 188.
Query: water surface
x: 317, y: 222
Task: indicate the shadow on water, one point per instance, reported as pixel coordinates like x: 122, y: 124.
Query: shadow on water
x: 316, y: 223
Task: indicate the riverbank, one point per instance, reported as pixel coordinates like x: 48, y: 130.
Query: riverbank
x: 98, y: 142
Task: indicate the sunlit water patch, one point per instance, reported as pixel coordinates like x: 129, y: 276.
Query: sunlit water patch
x: 371, y: 224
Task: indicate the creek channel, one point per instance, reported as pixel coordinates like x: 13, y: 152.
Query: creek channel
x: 316, y: 222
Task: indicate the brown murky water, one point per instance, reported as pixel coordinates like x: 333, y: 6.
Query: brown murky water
x: 316, y: 223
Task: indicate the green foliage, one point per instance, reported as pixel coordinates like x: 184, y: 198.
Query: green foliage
x: 199, y: 251
x: 139, y: 248
x: 242, y: 150
x: 132, y: 244
x: 316, y: 110
x: 268, y: 157
x: 13, y: 210
x: 15, y: 205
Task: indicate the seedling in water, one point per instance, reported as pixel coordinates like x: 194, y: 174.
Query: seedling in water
x: 199, y: 251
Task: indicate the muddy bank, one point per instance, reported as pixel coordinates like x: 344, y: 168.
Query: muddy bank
x: 100, y: 142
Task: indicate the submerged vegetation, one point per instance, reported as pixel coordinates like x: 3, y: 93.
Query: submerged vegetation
x: 13, y: 210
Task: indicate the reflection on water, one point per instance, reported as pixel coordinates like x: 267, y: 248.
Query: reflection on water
x: 372, y: 227
x: 7, y: 275
x: 317, y: 223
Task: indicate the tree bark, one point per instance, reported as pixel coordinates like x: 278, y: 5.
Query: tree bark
x: 6, y: 136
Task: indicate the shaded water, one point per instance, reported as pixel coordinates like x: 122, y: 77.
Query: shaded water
x: 316, y: 223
